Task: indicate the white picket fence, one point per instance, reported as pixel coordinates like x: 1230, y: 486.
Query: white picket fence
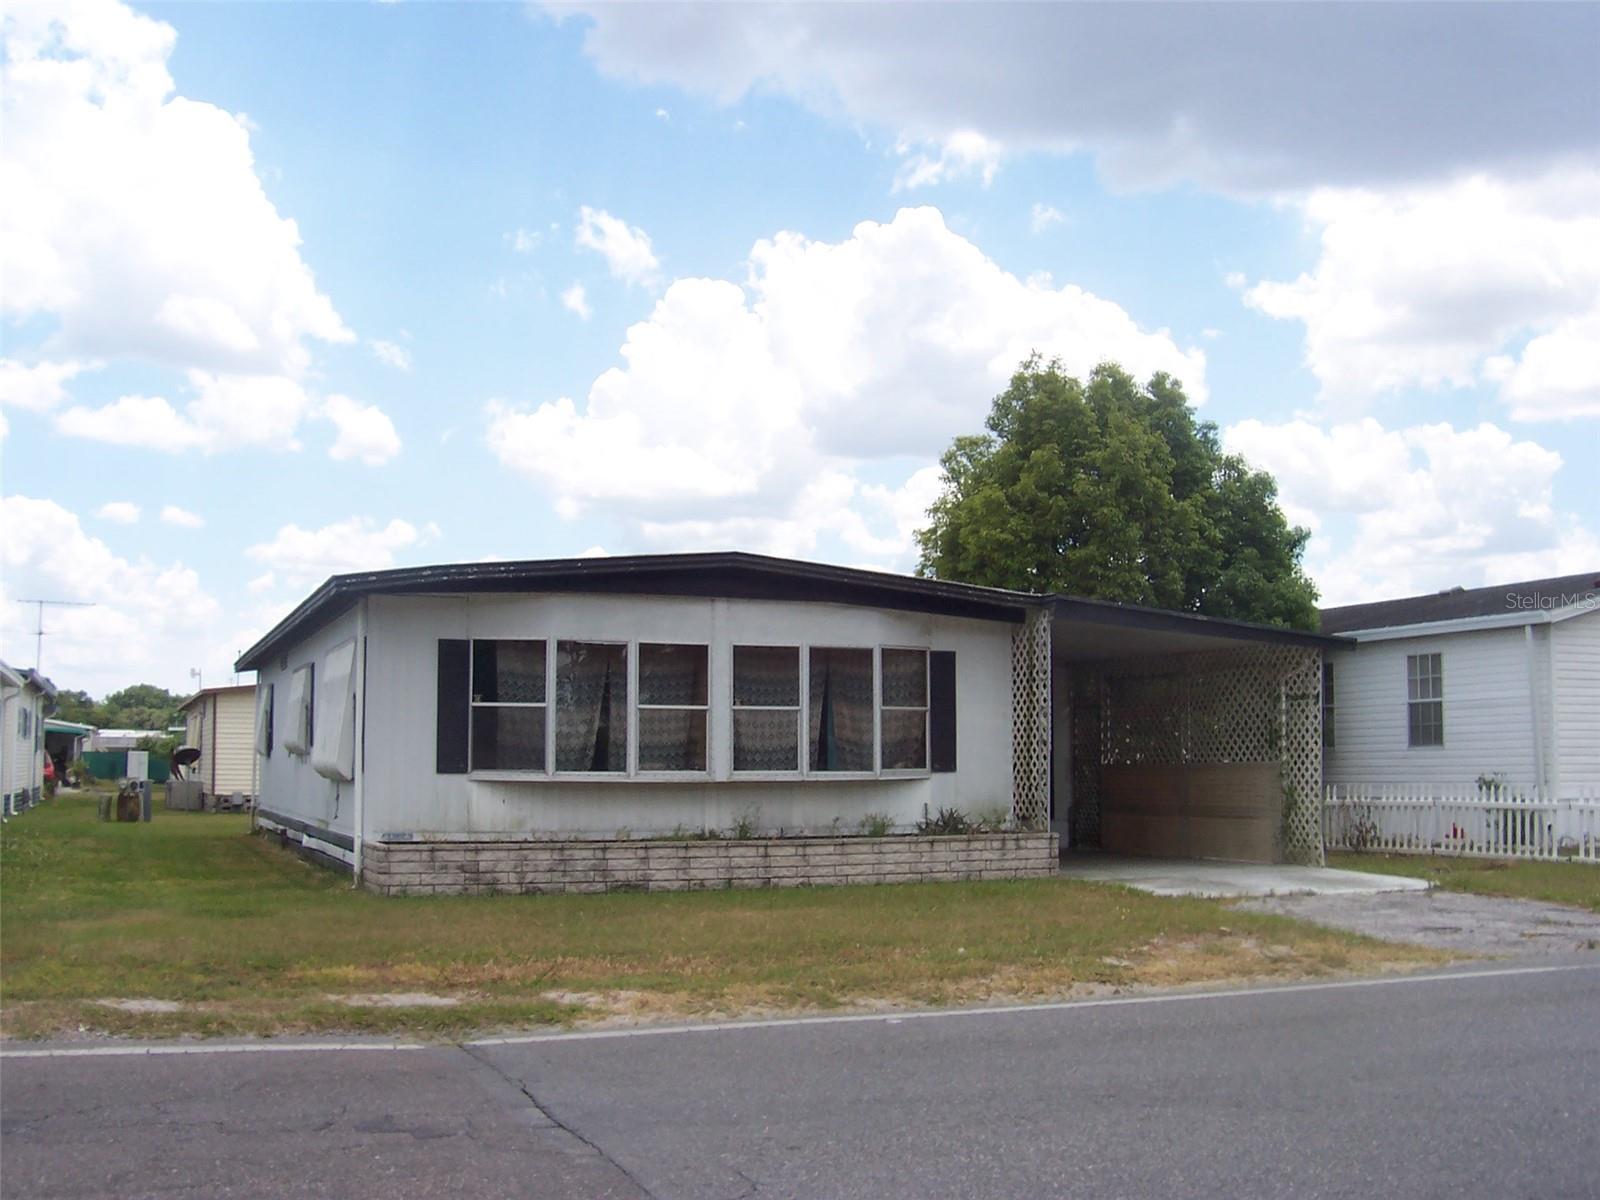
x: 1490, y: 822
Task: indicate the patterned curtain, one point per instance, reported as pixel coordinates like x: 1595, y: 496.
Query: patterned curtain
x: 840, y: 719
x: 591, y: 707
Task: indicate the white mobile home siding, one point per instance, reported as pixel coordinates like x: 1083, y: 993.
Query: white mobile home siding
x: 1574, y: 665
x: 404, y: 795
x: 23, y: 766
x: 288, y: 785
x: 1489, y: 711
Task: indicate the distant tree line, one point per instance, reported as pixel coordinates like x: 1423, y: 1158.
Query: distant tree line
x: 142, y: 706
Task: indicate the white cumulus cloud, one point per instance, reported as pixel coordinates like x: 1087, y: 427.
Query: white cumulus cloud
x: 365, y: 432
x: 1436, y: 286
x: 576, y: 300
x: 181, y: 517
x: 39, y: 387
x: 956, y: 156
x: 391, y: 354
x: 146, y: 621
x: 353, y: 544
x: 1042, y: 216
x: 1429, y: 506
x: 626, y: 248
x: 134, y: 216
x: 224, y: 412
x: 739, y: 415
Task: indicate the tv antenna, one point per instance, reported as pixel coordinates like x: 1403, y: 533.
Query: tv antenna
x: 39, y: 630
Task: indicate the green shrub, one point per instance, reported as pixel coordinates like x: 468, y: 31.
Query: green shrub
x: 876, y: 825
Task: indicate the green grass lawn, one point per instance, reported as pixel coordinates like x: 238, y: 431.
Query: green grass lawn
x: 1557, y: 882
x: 251, y: 939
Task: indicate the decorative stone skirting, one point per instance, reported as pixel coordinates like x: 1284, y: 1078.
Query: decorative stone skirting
x: 410, y: 868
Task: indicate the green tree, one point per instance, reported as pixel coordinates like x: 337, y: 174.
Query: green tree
x: 1114, y: 491
x: 75, y: 706
x: 142, y: 706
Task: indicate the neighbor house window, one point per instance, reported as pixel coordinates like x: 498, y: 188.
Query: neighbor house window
x: 904, y: 719
x: 766, y: 708
x: 591, y: 706
x: 839, y: 728
x: 1425, y: 699
x: 1327, y: 705
x: 508, y: 705
x: 673, y: 699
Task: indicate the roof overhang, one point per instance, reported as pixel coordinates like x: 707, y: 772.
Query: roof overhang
x: 1509, y: 620
x: 1096, y: 630
x: 726, y: 575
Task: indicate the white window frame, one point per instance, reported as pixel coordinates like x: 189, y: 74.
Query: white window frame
x: 636, y: 707
x: 925, y: 707
x: 799, y: 709
x: 806, y: 772
x: 629, y: 768
x: 474, y: 703
x: 1413, y: 703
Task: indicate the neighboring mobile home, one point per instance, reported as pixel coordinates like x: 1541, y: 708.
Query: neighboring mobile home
x: 220, y: 723
x: 486, y: 720
x: 24, y: 697
x: 1468, y: 689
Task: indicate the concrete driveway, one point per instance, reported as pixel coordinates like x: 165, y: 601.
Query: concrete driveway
x: 1216, y: 880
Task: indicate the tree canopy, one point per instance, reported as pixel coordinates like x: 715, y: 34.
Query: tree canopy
x: 1112, y: 490
x: 142, y: 706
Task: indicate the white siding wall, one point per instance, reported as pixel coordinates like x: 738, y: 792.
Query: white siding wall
x: 288, y: 785
x: 1575, y: 666
x: 23, y: 768
x: 1488, y: 712
x: 233, y: 741
x: 404, y: 795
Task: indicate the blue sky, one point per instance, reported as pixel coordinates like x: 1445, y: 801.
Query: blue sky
x: 647, y: 278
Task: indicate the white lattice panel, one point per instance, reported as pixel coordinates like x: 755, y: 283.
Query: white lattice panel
x: 1030, y: 724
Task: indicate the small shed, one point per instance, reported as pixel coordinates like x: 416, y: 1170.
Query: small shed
x: 220, y: 723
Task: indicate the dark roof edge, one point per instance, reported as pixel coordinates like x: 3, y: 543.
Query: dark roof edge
x: 1113, y: 612
x: 340, y: 592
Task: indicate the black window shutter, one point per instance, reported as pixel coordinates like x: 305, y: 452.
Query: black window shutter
x: 455, y: 705
x: 942, y: 710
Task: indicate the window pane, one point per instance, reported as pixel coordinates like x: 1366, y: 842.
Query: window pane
x: 766, y: 676
x: 508, y: 672
x: 839, y: 731
x: 905, y: 678
x: 672, y: 674
x: 508, y: 739
x: 1427, y: 723
x: 905, y: 740
x: 672, y: 739
x: 591, y: 707
x: 766, y: 741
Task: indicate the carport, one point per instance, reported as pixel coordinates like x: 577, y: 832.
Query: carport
x: 1171, y: 735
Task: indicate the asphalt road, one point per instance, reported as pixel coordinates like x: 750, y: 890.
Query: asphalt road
x: 1486, y: 1083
